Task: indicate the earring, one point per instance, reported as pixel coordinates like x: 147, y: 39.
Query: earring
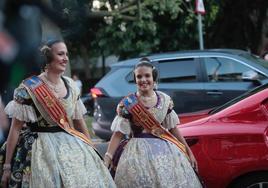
x: 46, y: 66
x: 155, y: 86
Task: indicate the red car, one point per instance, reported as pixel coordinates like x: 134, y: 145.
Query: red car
x: 230, y: 143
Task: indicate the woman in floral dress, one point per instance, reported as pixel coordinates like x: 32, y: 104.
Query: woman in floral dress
x: 48, y: 143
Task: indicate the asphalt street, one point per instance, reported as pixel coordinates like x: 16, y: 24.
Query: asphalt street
x: 101, y: 146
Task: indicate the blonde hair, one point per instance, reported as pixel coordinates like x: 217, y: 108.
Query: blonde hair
x: 46, y: 52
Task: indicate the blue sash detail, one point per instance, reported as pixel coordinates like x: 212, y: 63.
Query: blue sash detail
x: 130, y: 101
x: 32, y: 82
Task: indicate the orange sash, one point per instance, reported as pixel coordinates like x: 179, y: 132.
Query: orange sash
x: 143, y: 117
x: 52, y: 106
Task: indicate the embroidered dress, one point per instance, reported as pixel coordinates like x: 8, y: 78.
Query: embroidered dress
x: 53, y: 159
x: 148, y: 161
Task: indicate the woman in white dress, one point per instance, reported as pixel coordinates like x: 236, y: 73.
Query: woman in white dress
x: 156, y: 154
x: 48, y: 143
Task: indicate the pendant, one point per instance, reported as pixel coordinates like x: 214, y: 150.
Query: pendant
x: 57, y: 90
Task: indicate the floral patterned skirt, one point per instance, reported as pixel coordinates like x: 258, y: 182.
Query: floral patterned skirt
x: 153, y: 162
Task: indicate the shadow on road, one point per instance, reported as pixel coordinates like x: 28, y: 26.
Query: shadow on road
x: 101, y: 147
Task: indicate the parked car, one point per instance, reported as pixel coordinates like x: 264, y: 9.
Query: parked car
x: 88, y: 101
x: 195, y: 80
x: 230, y: 142
x: 192, y: 116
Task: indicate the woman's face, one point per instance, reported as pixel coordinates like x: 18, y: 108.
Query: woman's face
x: 59, y: 57
x: 144, y: 78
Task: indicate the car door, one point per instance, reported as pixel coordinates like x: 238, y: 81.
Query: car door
x: 224, y: 81
x: 180, y: 78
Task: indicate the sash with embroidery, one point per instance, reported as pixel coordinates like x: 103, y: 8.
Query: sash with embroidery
x: 144, y: 118
x: 37, y: 88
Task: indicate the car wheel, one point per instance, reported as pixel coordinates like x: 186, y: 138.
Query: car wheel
x: 258, y: 180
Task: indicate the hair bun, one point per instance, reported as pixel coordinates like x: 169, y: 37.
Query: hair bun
x: 145, y: 60
x: 45, y: 49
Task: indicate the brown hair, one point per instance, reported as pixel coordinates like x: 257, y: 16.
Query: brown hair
x: 147, y: 63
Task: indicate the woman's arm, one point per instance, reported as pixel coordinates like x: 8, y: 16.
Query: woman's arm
x: 3, y: 117
x: 12, y: 138
x: 11, y: 143
x: 175, y: 131
x: 80, y: 125
x: 114, y: 143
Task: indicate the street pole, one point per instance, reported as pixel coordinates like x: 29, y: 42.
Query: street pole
x: 200, y: 32
x: 200, y: 10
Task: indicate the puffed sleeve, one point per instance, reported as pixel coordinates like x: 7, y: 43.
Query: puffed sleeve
x: 171, y: 120
x: 79, y: 110
x: 121, y: 121
x: 120, y: 124
x: 21, y: 107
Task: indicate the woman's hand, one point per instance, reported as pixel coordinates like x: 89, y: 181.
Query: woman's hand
x: 175, y: 131
x: 114, y: 143
x: 193, y: 161
x: 107, y: 160
x: 5, y: 178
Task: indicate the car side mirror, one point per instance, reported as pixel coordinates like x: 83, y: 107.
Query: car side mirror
x: 251, y: 76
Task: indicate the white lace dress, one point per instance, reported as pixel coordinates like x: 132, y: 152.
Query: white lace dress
x: 153, y: 162
x: 54, y: 160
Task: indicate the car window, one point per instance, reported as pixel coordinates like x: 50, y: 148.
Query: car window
x: 225, y: 70
x: 239, y: 98
x: 179, y: 70
x: 255, y: 59
x: 130, y: 77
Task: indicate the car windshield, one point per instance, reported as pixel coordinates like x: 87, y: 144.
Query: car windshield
x: 256, y: 59
x: 239, y: 98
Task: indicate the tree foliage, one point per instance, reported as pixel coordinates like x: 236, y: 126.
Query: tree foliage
x: 239, y: 24
x: 160, y: 25
x: 129, y: 28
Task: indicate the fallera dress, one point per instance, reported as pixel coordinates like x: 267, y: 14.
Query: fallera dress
x: 53, y: 159
x: 148, y: 161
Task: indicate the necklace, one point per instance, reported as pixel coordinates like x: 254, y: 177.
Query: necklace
x: 149, y: 101
x: 56, y: 88
x: 146, y: 99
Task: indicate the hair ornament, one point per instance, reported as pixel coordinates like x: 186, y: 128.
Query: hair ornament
x: 44, y: 49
